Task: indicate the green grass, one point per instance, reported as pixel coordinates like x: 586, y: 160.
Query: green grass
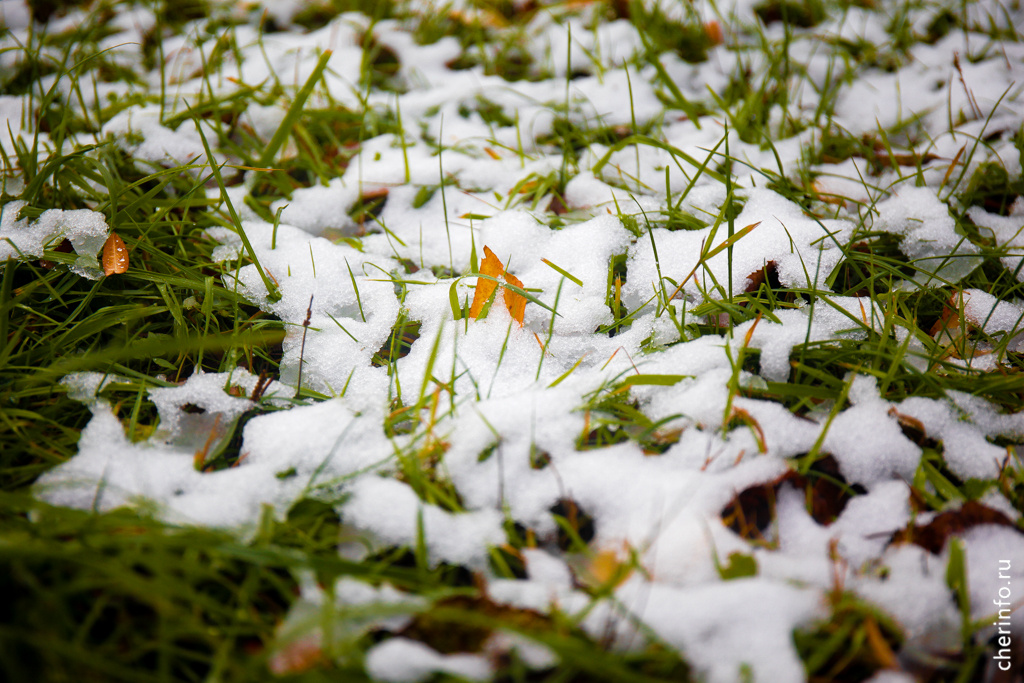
x: 120, y: 596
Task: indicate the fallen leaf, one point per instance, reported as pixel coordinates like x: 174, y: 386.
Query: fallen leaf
x: 932, y: 536
x: 115, y: 255
x: 768, y: 274
x: 514, y: 302
x: 713, y: 31
x: 491, y: 265
x: 607, y: 568
x: 905, y: 159
x: 557, y: 206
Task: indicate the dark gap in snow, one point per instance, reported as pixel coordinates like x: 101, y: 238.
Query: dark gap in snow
x: 802, y: 14
x: 369, y: 207
x: 752, y: 511
x: 63, y: 248
x: 992, y: 188
x: 601, y: 436
x: 769, y: 275
x: 914, y: 430
x: 231, y: 454
x: 441, y: 629
x: 383, y: 63
x: 575, y: 526
x: 508, y: 563
x: 557, y: 205
x: 539, y: 458
x: 398, y: 344
x: 400, y: 559
x: 311, y: 525
x: 858, y: 273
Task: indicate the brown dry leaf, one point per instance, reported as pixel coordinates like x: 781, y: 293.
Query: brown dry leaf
x: 514, y: 302
x: 115, y: 255
x: 768, y: 273
x: 905, y: 159
x: 912, y: 428
x: 932, y: 536
x: 557, y: 206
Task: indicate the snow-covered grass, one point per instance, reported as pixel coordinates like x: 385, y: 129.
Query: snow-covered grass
x: 759, y: 421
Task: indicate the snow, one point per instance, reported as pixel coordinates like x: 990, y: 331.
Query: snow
x: 995, y: 558
x: 456, y: 538
x: 23, y: 237
x: 139, y: 132
x: 488, y: 396
x: 929, y: 236
x: 400, y: 660
x: 715, y: 639
x: 1008, y: 231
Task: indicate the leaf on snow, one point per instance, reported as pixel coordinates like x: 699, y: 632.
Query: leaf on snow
x: 514, y: 302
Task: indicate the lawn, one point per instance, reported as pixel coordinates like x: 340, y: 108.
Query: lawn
x: 512, y: 340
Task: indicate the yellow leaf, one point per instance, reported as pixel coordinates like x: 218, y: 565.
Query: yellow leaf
x: 606, y: 568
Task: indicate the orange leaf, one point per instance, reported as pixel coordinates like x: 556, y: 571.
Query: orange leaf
x: 514, y: 302
x: 713, y: 31
x: 491, y: 265
x: 115, y: 255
